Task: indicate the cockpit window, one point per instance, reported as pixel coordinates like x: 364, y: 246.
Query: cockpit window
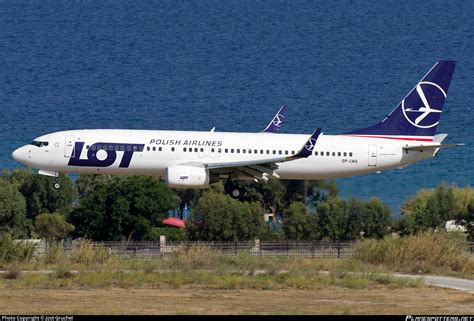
x: 39, y: 143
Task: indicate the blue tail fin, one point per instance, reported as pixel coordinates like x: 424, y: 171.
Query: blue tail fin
x: 419, y: 112
x: 277, y: 121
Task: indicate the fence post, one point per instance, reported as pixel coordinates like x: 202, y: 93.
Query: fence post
x: 338, y: 246
x: 162, y: 245
x: 287, y: 248
x: 235, y: 248
x: 312, y: 248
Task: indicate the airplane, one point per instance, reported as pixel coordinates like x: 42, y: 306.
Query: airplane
x: 194, y: 159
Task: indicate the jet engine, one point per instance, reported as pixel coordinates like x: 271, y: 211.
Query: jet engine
x: 182, y: 176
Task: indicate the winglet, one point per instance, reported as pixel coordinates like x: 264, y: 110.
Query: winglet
x: 308, y: 147
x: 277, y: 121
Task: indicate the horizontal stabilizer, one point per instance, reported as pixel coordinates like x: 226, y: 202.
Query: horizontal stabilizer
x: 426, y: 147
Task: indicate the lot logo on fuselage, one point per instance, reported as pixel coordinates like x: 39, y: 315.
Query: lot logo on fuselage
x: 109, y: 151
x: 422, y: 107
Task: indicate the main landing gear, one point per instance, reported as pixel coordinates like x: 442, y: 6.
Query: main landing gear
x: 232, y: 188
x: 57, y: 181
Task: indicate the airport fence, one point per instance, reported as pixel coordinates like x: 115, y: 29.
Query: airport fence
x: 149, y: 249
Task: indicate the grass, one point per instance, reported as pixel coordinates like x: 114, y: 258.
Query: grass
x: 435, y: 253
x: 89, y: 280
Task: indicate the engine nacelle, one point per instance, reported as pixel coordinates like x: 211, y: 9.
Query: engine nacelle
x: 182, y: 176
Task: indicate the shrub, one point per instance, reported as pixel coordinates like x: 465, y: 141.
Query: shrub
x: 55, y: 253
x: 88, y: 254
x: 422, y: 252
x: 12, y: 250
x: 172, y: 234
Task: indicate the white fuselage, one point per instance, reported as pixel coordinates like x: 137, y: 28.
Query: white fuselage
x: 150, y: 152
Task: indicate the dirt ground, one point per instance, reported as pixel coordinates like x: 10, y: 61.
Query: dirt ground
x: 190, y: 300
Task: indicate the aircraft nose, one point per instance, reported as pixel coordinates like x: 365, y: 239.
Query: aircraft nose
x: 19, y: 154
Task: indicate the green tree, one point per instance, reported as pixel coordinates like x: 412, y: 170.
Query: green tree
x: 40, y: 194
x: 12, y: 210
x: 270, y: 194
x: 122, y: 207
x: 218, y: 217
x: 333, y: 219
x: 344, y: 219
x: 298, y: 224
x: 52, y: 227
x: 377, y: 219
x: 430, y: 209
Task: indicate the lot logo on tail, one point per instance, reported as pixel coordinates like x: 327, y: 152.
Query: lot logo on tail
x: 422, y: 107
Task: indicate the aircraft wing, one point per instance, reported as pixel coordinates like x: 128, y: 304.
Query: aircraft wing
x: 276, y: 122
x: 260, y: 169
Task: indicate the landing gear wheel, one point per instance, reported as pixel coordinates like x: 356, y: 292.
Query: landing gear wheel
x: 235, y: 193
x: 57, y: 185
x: 232, y: 189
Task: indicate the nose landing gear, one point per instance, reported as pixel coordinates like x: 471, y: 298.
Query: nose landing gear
x: 57, y: 182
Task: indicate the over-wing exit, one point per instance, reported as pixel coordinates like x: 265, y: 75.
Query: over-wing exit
x: 194, y: 159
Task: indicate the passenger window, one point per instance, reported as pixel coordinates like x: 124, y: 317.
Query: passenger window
x: 117, y: 148
x: 316, y: 153
x: 135, y: 148
x: 219, y: 150
x: 190, y: 150
x: 195, y: 149
x: 268, y: 152
x: 333, y: 153
x: 148, y: 148
x: 202, y: 150
x: 339, y: 154
x: 226, y: 150
x: 212, y: 150
x: 93, y: 147
x: 243, y: 151
x: 111, y: 147
x: 261, y: 151
x: 255, y: 151
x: 286, y: 152
x: 172, y: 149
x: 293, y: 152
x: 345, y: 154
x: 160, y: 149
x: 274, y: 152
x: 87, y: 146
x: 130, y: 148
x: 238, y: 150
x: 122, y: 148
x: 327, y: 153
x: 154, y: 148
x: 350, y: 154
x: 232, y: 150
x: 184, y: 149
